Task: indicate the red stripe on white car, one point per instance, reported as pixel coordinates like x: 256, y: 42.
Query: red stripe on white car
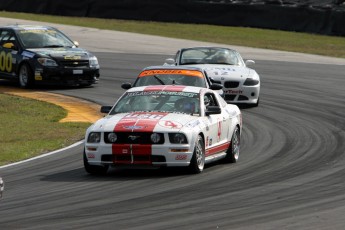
x: 135, y: 122
x: 217, y: 149
x: 175, y: 88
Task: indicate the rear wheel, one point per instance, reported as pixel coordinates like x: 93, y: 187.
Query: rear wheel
x: 198, y: 160
x: 233, y: 152
x: 26, y: 76
x: 94, y: 169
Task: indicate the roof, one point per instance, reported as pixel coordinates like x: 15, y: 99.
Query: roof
x: 29, y: 27
x: 169, y: 88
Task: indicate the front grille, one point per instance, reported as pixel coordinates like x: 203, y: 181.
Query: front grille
x: 75, y: 63
x: 231, y: 84
x: 133, y: 138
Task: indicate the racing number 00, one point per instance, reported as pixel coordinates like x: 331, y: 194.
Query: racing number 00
x: 5, y: 61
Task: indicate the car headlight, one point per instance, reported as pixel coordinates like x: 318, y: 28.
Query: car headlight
x: 251, y: 81
x: 177, y: 138
x: 94, y: 137
x: 155, y: 138
x: 47, y: 62
x: 112, y: 137
x: 94, y: 62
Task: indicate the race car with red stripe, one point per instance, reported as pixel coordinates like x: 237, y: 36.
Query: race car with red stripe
x: 164, y: 126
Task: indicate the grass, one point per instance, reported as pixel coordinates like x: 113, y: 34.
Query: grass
x: 24, y: 136
x: 259, y: 38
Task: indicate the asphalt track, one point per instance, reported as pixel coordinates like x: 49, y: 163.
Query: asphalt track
x: 291, y: 172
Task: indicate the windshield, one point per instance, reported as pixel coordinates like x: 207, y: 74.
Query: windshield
x: 43, y: 38
x: 158, y: 101
x: 210, y: 56
x: 171, y: 77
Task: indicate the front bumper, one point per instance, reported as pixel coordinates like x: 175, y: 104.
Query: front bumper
x: 243, y: 94
x: 139, y: 155
x: 66, y: 76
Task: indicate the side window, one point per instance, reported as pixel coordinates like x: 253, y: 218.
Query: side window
x: 210, y: 100
x: 7, y: 39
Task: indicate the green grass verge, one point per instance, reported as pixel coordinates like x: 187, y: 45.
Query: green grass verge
x: 258, y: 38
x: 30, y: 128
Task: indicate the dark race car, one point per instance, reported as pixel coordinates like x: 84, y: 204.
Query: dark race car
x: 34, y: 54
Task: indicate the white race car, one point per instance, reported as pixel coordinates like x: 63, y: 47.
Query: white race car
x: 225, y: 66
x: 162, y: 126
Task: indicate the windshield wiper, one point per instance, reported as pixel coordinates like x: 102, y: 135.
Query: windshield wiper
x: 158, y: 79
x: 53, y: 46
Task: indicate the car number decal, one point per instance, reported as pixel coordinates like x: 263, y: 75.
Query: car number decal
x: 170, y: 124
x: 5, y: 62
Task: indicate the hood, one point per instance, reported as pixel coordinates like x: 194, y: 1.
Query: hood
x: 226, y: 72
x: 62, y: 53
x: 144, y: 122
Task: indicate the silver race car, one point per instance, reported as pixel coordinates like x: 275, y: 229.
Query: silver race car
x: 225, y: 66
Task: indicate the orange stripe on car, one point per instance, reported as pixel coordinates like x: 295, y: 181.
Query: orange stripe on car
x: 192, y: 73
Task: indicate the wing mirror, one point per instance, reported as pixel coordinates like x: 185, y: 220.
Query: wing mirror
x: 216, y: 86
x: 105, y: 109
x: 169, y: 61
x: 212, y: 110
x: 250, y: 62
x: 76, y: 43
x: 126, y: 85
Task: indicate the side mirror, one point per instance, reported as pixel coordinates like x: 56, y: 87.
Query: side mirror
x: 106, y: 109
x: 126, y: 85
x: 216, y: 86
x: 249, y: 62
x: 169, y: 61
x: 76, y: 43
x: 212, y: 110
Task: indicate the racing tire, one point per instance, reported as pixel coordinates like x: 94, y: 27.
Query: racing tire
x: 26, y: 76
x: 233, y: 152
x: 94, y: 169
x: 197, y: 162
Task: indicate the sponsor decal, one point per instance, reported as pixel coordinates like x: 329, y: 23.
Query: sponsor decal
x: 151, y: 90
x: 193, y: 124
x: 72, y: 57
x: 180, y: 157
x: 38, y: 76
x: 90, y: 155
x: 233, y: 91
x: 28, y: 54
x: 193, y: 73
x: 133, y: 127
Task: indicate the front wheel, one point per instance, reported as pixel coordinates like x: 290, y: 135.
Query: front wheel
x: 94, y: 169
x: 233, y: 152
x: 198, y: 160
x: 26, y: 76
